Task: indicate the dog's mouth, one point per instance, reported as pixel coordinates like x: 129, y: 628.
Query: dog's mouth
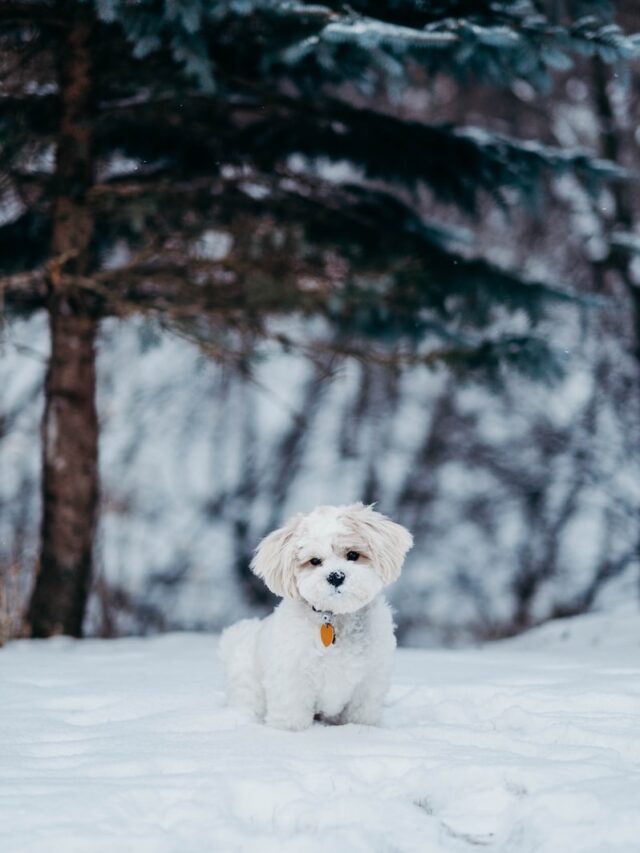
x: 335, y: 602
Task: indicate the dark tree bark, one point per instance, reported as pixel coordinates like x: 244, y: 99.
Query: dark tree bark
x: 70, y: 427
x: 612, y: 142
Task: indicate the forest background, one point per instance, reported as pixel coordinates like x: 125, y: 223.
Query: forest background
x: 259, y: 256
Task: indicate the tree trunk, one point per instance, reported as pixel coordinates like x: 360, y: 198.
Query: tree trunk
x: 621, y: 190
x: 625, y: 215
x: 70, y: 426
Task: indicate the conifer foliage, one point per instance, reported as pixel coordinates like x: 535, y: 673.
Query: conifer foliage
x: 221, y: 163
x: 223, y: 115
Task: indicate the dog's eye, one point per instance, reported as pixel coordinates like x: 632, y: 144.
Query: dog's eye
x: 315, y: 561
x: 352, y: 556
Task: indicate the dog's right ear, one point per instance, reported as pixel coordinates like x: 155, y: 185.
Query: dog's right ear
x: 275, y: 559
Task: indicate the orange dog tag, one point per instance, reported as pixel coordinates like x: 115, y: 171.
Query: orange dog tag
x: 327, y: 634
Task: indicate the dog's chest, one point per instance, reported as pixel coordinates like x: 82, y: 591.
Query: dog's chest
x: 340, y: 669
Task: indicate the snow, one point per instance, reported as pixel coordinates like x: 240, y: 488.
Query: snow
x: 525, y: 745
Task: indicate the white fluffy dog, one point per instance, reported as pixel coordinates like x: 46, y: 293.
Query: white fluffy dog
x: 326, y: 650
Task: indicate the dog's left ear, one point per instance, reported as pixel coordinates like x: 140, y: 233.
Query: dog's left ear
x: 274, y: 559
x: 388, y: 542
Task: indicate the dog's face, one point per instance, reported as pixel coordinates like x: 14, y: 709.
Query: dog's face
x: 335, y: 558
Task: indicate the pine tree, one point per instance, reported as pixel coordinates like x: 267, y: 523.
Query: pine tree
x: 171, y: 157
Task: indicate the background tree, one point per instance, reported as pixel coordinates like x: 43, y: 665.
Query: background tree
x: 134, y: 133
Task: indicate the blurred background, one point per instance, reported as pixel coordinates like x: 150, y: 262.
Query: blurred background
x: 262, y: 256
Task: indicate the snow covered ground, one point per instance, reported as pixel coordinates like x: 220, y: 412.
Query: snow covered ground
x: 126, y: 745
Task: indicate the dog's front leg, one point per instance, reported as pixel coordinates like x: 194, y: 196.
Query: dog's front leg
x: 290, y: 704
x: 365, y: 705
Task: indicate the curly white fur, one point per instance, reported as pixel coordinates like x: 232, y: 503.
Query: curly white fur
x: 278, y: 666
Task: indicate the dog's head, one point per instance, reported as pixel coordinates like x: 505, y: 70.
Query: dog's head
x: 335, y: 558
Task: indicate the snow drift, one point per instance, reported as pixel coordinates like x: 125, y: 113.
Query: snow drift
x: 526, y: 745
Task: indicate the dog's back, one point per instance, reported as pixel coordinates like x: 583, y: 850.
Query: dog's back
x: 237, y: 651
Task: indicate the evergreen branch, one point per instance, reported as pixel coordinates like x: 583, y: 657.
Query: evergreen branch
x: 487, y: 359
x: 30, y: 14
x: 456, y: 163
x: 527, y: 47
x: 40, y: 113
x: 380, y: 237
x: 528, y: 355
x: 418, y: 14
x: 400, y: 271
x: 23, y: 292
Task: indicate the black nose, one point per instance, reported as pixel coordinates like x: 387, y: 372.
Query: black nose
x: 336, y: 578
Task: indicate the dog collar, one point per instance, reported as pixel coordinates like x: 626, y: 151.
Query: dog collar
x: 327, y: 631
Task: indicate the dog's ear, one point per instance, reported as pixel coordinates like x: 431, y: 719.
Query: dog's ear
x: 387, y: 541
x: 275, y: 559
